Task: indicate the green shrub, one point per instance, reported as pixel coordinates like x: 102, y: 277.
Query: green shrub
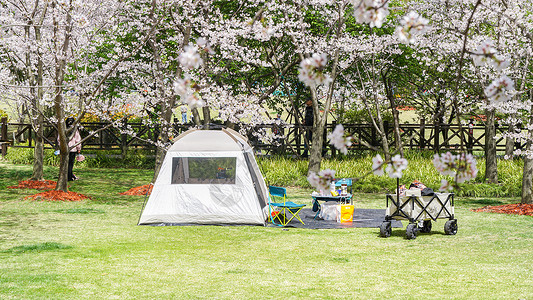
x: 293, y: 172
x: 3, y: 114
x: 283, y: 171
x: 93, y: 158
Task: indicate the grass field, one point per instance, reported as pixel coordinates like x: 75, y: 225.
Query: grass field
x: 94, y: 250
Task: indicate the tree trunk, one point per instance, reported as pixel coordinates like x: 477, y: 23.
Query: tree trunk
x: 38, y: 151
x: 196, y: 117
x: 207, y: 116
x: 389, y: 89
x: 383, y: 135
x: 169, y: 99
x: 527, y: 181
x: 491, y: 164
x: 60, y: 65
x: 527, y: 177
x: 38, y: 154
x: 319, y: 120
x: 396, y: 120
x: 509, y: 142
x: 315, y: 153
x: 62, y: 181
x: 163, y: 137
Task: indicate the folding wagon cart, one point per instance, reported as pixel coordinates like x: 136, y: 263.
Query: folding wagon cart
x: 419, y: 211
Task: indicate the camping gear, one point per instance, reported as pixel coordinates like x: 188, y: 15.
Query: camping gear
x: 317, y: 207
x: 345, y: 185
x: 328, y: 212
x: 208, y: 177
x: 281, y: 208
x: 419, y: 211
x: 346, y: 213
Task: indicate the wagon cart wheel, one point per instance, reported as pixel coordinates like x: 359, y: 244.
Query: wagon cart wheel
x: 450, y: 228
x: 385, y: 229
x: 426, y: 227
x: 411, y: 231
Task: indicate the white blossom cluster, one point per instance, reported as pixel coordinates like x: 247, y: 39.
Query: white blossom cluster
x: 462, y: 167
x: 394, y: 168
x: 322, y: 180
x: 500, y: 90
x: 187, y: 89
x: 411, y: 25
x: 339, y: 140
x: 486, y: 53
x: 312, y: 70
x: 190, y: 58
x: 372, y: 12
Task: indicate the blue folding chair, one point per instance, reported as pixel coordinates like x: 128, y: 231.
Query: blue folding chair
x: 280, y: 208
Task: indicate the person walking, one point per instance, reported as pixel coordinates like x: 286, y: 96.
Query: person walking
x: 75, y: 148
x: 183, y: 114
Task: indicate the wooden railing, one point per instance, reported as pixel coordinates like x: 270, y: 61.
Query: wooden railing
x: 414, y: 136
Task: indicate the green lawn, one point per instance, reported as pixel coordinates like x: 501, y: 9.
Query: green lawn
x: 94, y: 250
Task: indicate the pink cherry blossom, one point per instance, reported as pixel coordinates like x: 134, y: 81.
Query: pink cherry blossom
x: 322, y: 180
x: 462, y: 166
x: 411, y: 24
x: 188, y: 95
x: 312, y: 70
x: 339, y: 140
x: 372, y: 12
x: 498, y: 90
x: 190, y: 58
x: 377, y: 165
x: 397, y: 165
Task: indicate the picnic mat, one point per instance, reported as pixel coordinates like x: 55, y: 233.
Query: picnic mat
x: 362, y: 218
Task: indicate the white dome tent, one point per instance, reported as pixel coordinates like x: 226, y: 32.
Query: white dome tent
x: 208, y: 177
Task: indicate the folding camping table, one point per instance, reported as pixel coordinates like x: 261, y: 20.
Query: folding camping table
x: 343, y: 199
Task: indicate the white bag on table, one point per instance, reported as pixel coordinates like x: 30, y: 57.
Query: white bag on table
x: 329, y: 211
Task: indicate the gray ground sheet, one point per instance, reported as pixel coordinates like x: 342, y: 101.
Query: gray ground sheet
x: 362, y: 218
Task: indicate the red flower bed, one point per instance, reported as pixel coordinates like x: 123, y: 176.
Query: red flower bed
x: 404, y: 108
x: 139, y: 191
x: 515, y: 209
x: 57, y: 196
x: 35, y: 184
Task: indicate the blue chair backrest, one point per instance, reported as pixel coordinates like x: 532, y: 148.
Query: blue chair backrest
x: 347, y: 181
x: 277, y: 191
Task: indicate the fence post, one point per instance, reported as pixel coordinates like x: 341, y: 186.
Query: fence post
x: 436, y: 145
x: 333, y: 149
x: 3, y: 135
x: 422, y: 133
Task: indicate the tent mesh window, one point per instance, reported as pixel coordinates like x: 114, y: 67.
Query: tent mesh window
x: 203, y: 170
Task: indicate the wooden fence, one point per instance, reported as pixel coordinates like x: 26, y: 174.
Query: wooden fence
x: 414, y: 136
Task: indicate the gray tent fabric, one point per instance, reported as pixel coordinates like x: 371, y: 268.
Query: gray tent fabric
x: 208, y: 177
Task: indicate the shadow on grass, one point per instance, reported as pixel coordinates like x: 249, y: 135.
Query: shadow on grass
x: 80, y: 211
x: 400, y: 232
x: 466, y: 202
x: 48, y: 246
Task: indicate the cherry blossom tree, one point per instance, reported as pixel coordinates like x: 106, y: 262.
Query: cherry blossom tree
x: 46, y: 48
x: 495, y: 35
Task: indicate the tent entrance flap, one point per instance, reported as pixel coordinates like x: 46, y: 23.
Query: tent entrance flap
x: 248, y: 157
